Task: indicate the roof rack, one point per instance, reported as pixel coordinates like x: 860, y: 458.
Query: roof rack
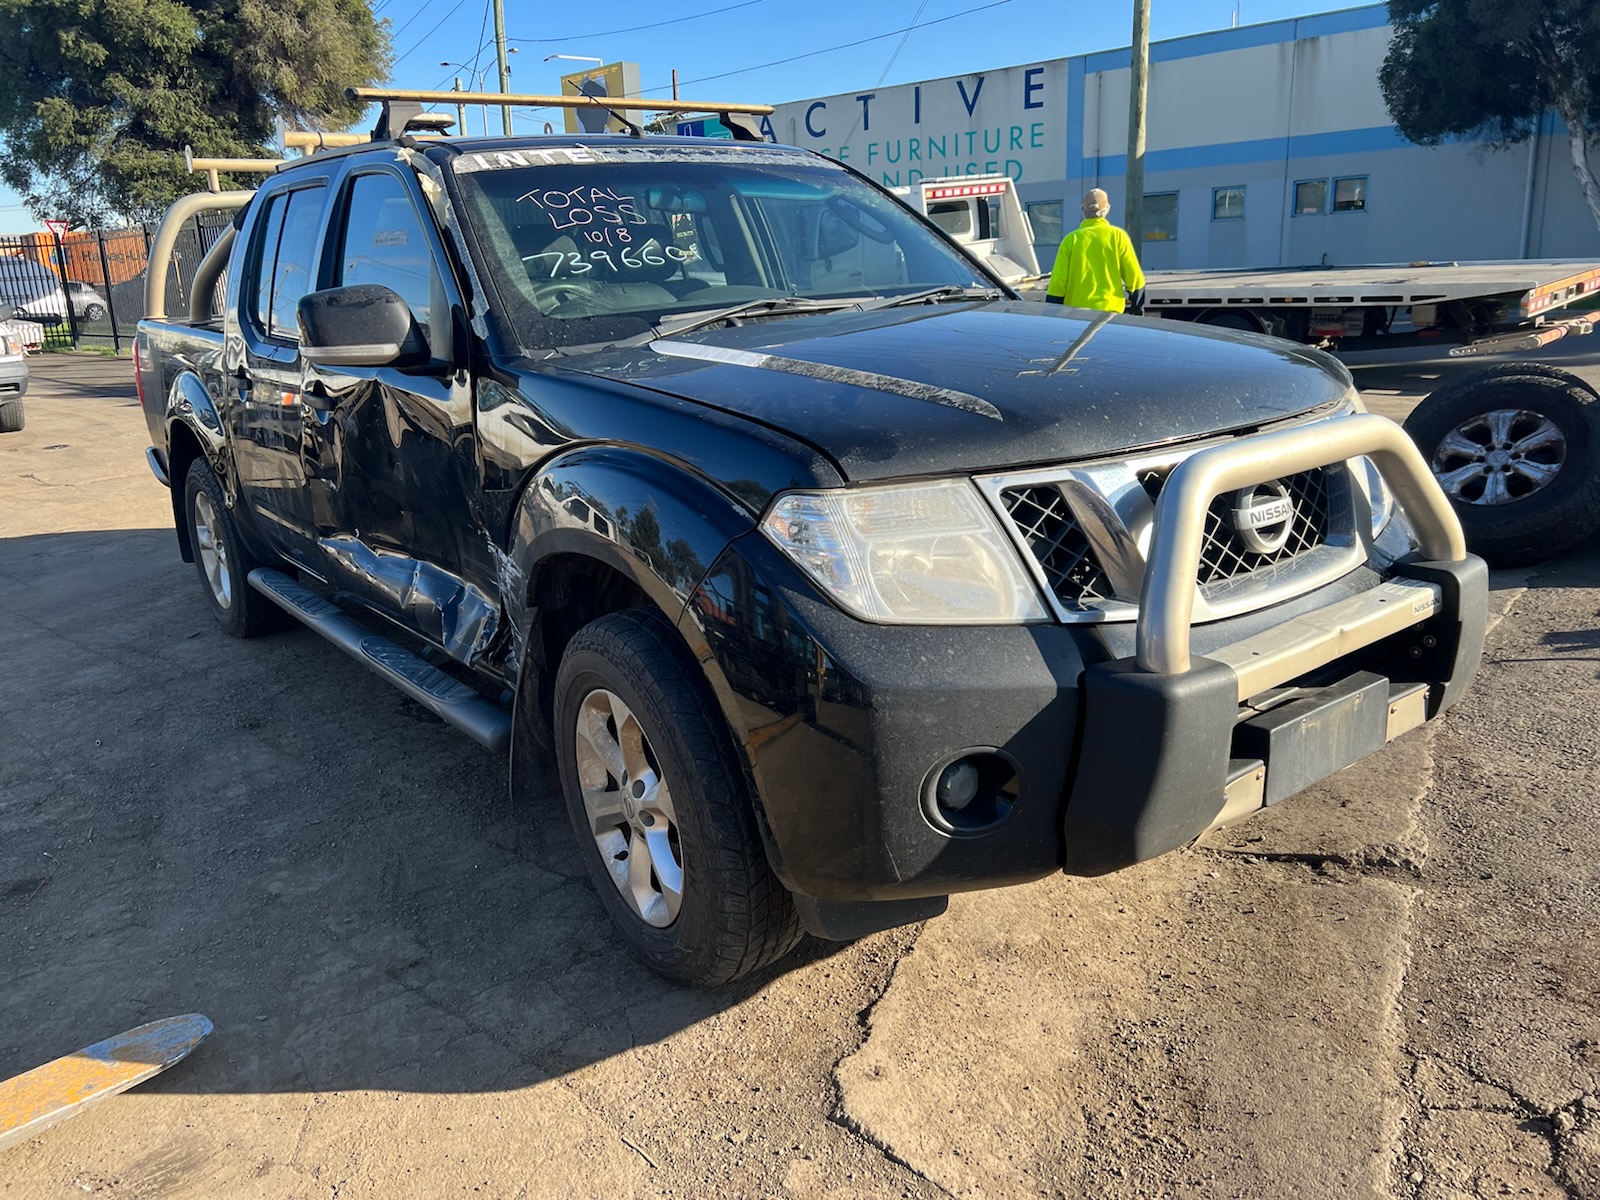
x: 234, y: 166
x: 400, y: 108
x: 401, y: 113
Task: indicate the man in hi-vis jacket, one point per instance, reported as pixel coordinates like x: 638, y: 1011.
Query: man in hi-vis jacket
x: 1096, y: 264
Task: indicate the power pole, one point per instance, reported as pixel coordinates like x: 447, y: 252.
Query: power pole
x: 1137, y: 97
x: 461, y: 112
x: 500, y: 60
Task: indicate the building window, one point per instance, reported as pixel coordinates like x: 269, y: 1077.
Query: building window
x: 1161, y: 217
x: 1350, y: 195
x: 1227, y: 204
x: 1311, y: 197
x: 1045, y: 217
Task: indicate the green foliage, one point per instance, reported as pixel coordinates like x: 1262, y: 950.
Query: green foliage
x: 1490, y: 68
x: 99, y: 97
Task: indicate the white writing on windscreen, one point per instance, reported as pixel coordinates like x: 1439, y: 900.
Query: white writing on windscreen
x: 576, y: 262
x: 601, y: 217
x: 601, y: 208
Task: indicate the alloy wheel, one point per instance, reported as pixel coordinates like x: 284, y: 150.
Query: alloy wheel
x: 213, y: 551
x: 629, y: 806
x: 1499, y: 457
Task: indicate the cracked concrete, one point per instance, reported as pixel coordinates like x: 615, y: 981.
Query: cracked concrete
x: 1384, y: 987
x: 1500, y: 1004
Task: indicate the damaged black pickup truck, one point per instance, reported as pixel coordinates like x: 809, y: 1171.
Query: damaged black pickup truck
x: 834, y: 577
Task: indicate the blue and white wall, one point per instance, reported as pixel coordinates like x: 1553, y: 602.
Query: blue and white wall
x: 1261, y: 108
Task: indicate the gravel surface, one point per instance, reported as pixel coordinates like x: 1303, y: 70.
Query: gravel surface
x: 1385, y: 987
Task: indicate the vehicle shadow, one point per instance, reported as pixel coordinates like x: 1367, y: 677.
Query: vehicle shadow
x: 263, y: 832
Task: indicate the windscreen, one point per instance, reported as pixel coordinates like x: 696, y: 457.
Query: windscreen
x: 589, y: 245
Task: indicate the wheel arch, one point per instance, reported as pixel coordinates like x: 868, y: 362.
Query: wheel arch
x: 183, y: 447
x: 598, y: 530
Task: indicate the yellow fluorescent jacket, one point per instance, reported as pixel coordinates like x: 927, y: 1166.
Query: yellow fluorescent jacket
x: 1094, y: 266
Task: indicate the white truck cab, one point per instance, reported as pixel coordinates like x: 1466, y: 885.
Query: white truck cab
x: 981, y: 212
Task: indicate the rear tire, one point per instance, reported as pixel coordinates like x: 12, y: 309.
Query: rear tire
x: 1514, y: 447
x: 221, y: 558
x: 1241, y: 320
x: 12, y: 418
x: 660, y: 807
x: 95, y: 312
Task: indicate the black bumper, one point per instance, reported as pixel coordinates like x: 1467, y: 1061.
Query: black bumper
x: 845, y: 727
x: 1182, y: 738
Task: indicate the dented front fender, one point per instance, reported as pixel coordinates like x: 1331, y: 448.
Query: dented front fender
x: 654, y: 522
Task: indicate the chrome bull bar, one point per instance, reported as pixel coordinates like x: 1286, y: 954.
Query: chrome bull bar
x: 1166, y: 601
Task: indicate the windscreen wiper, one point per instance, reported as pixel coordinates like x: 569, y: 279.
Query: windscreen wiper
x: 950, y: 291
x: 771, y: 306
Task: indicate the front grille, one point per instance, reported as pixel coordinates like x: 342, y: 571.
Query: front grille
x: 1047, y: 526
x: 1224, y: 556
x: 1063, y: 553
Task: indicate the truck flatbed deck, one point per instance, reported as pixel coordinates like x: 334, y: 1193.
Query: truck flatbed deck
x: 1546, y: 284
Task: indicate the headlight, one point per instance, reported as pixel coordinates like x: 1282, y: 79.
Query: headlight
x: 1380, y: 501
x: 917, y: 554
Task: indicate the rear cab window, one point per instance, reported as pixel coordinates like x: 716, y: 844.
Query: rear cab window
x: 282, y: 263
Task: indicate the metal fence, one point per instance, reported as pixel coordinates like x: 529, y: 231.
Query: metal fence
x: 85, y: 289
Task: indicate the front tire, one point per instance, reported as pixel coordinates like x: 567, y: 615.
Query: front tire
x: 95, y: 312
x: 1514, y: 447
x: 221, y: 558
x: 661, y: 810
x: 12, y: 418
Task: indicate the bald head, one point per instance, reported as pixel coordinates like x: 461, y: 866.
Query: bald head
x: 1096, y: 203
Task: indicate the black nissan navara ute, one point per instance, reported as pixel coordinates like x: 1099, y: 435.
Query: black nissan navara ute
x: 833, y: 577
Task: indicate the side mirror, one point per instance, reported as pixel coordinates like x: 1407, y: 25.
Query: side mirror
x: 365, y: 325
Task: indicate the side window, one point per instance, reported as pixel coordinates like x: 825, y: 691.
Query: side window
x: 952, y: 216
x: 1227, y: 204
x: 1046, y: 217
x: 294, y: 272
x: 265, y: 259
x: 989, y: 224
x: 1161, y: 216
x: 384, y: 243
x: 1311, y: 197
x: 1350, y: 194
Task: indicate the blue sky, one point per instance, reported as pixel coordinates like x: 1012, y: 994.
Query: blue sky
x: 732, y: 49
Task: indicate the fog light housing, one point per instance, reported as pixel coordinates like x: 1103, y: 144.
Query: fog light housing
x: 972, y: 792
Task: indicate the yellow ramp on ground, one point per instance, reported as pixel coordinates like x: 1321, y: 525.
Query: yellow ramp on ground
x: 37, y: 1099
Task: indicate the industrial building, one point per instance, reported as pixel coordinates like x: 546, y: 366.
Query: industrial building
x: 1268, y: 145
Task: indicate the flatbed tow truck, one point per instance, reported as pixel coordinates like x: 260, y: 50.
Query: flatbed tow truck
x: 1488, y: 307
x: 1513, y: 445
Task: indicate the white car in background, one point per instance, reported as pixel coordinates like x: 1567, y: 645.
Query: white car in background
x: 87, y: 304
x: 13, y: 379
x: 31, y: 291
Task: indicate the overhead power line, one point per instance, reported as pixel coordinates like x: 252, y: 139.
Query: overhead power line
x: 580, y: 37
x: 901, y: 44
x: 877, y: 37
x: 523, y: 113
x: 889, y: 66
x: 416, y: 45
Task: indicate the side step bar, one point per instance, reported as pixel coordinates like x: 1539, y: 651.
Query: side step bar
x: 450, y: 699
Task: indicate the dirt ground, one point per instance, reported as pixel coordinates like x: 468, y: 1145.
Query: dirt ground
x: 1385, y: 987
